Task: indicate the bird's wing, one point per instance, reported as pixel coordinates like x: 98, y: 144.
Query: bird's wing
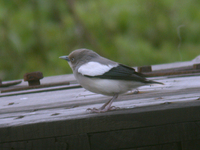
x: 94, y: 69
x: 116, y: 72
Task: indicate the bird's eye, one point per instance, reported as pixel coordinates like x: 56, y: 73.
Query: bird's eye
x: 72, y: 59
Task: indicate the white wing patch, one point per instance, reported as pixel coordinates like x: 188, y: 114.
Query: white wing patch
x: 94, y: 68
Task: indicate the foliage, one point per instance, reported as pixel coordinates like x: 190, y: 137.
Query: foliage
x: 33, y: 34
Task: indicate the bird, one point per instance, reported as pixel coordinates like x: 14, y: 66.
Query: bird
x: 103, y: 76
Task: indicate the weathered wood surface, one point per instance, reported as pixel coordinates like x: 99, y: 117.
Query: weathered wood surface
x: 37, y: 107
x: 158, y: 117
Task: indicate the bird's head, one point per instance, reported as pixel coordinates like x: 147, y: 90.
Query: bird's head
x: 79, y: 57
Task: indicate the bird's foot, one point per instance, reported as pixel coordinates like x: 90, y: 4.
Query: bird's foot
x: 100, y: 110
x: 91, y: 109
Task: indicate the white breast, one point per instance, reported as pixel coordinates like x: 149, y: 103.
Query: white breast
x: 107, y: 86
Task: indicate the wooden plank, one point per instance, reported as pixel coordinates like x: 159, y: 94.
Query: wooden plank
x: 48, y: 80
x: 78, y: 142
x: 63, y: 145
x: 46, y: 111
x: 37, y: 90
x: 122, y: 139
x: 91, y: 123
x: 169, y: 146
x: 41, y: 107
x: 75, y: 142
x: 175, y: 65
x: 191, y: 145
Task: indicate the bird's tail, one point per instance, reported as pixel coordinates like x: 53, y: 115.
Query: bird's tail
x: 153, y: 82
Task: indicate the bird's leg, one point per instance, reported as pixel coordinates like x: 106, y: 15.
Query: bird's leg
x: 101, y: 108
x: 106, y: 106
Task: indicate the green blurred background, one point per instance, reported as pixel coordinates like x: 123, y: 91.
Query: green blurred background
x: 34, y: 33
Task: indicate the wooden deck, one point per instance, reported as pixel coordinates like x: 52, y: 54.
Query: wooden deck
x: 163, y: 117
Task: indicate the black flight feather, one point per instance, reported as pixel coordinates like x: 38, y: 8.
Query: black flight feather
x: 122, y: 72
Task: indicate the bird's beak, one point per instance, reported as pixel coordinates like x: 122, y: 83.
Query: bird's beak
x: 65, y: 58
